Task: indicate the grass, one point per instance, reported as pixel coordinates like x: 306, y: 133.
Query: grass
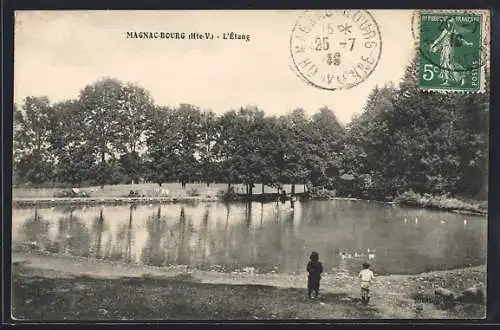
x: 147, y: 189
x: 150, y: 298
x: 57, y: 290
x: 443, y: 202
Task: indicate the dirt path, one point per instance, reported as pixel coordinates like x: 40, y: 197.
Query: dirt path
x: 96, y: 289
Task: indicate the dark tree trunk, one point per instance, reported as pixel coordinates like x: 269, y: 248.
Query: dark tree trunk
x: 263, y: 189
x: 99, y: 234
x: 293, y: 189
x: 129, y: 237
x: 249, y: 213
x: 103, y: 169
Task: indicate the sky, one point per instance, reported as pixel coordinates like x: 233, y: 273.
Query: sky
x: 58, y: 53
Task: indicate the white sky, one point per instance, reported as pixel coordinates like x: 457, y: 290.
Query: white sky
x: 57, y: 53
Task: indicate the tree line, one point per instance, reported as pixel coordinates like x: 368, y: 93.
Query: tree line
x: 113, y: 132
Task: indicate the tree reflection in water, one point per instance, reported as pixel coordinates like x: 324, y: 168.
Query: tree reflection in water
x: 121, y: 249
x: 36, y: 232
x: 98, y: 228
x: 154, y: 252
x: 203, y: 238
x: 73, y: 236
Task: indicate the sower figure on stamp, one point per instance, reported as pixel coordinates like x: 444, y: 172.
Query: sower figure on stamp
x: 314, y: 268
x: 450, y: 37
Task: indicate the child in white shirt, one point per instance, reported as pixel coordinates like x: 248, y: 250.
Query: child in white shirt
x: 366, y: 277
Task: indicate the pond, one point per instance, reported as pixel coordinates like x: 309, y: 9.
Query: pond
x: 270, y: 237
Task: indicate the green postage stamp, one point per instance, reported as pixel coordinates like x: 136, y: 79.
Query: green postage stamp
x: 453, y: 47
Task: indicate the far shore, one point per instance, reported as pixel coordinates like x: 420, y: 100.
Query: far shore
x: 89, y: 201
x: 86, y: 201
x: 52, y: 285
x: 29, y: 202
x: 197, y: 192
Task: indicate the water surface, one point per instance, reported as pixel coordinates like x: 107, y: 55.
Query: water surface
x: 269, y: 237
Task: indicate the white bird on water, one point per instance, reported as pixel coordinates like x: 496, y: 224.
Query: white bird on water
x: 406, y: 219
x: 443, y: 221
x: 465, y: 222
x: 416, y: 220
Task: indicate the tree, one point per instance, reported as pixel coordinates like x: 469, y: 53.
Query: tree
x: 32, y: 130
x: 208, y: 136
x: 188, y: 127
x: 101, y: 103
x: 270, y: 146
x: 135, y: 105
x: 161, y: 141
x: 368, y: 144
x: 74, y: 157
x: 225, y: 147
x: 250, y: 134
x: 409, y: 139
x: 294, y: 142
x: 325, y: 147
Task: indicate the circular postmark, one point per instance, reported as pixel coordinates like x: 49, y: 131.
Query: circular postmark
x: 335, y: 49
x: 451, y: 41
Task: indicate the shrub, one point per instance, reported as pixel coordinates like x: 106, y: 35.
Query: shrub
x: 442, y: 202
x: 134, y: 193
x: 193, y: 192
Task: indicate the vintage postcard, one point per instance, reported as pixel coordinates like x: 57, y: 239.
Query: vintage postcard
x: 250, y: 165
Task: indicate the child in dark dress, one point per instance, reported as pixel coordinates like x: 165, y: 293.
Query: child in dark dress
x: 314, y: 268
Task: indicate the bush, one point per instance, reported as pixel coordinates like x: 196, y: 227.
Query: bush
x: 71, y: 193
x: 442, y: 202
x: 134, y: 193
x: 193, y: 192
x: 322, y: 194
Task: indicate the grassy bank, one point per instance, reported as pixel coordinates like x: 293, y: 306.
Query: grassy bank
x: 49, y: 202
x: 173, y: 192
x: 59, y: 287
x: 148, y: 190
x: 119, y: 194
x: 444, y: 203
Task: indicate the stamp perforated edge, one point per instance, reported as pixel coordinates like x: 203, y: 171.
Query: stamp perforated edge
x: 485, y: 45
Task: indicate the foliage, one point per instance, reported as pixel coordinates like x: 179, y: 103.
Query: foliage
x: 404, y: 139
x: 442, y: 202
x: 193, y: 192
x: 410, y: 139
